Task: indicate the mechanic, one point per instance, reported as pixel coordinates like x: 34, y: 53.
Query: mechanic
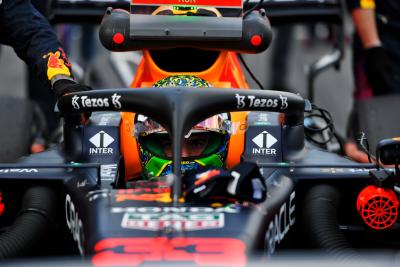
x: 376, y: 47
x: 34, y: 41
x: 205, y: 145
x: 376, y: 59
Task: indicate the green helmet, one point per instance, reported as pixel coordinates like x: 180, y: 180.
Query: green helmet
x: 206, y: 144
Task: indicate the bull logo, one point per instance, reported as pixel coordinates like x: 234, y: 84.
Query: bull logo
x: 57, y: 64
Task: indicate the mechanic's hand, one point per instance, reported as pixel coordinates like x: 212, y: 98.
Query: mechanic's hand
x: 379, y: 70
x: 64, y: 86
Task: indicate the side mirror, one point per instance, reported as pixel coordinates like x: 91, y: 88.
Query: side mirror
x: 388, y: 151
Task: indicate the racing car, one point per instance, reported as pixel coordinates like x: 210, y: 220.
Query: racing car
x: 277, y: 191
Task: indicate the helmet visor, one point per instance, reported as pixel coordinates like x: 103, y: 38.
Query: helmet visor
x: 197, y: 145
x: 217, y: 123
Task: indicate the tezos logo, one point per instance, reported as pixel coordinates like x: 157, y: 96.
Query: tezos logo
x: 255, y: 102
x: 284, y: 103
x: 101, y: 141
x: 264, y: 141
x: 79, y: 102
x: 115, y: 101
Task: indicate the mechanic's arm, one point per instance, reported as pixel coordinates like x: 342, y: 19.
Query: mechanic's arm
x: 365, y: 23
x: 32, y: 38
x: 35, y: 41
x: 377, y: 62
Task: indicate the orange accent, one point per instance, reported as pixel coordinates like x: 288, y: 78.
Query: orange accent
x: 236, y: 142
x: 162, y: 197
x: 129, y: 146
x: 162, y: 194
x: 226, y: 72
x: 207, y: 175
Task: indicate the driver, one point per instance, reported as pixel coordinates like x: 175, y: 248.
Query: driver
x: 205, y: 145
x: 204, y: 153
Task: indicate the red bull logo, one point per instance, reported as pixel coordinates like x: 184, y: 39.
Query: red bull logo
x: 57, y: 64
x: 54, y: 60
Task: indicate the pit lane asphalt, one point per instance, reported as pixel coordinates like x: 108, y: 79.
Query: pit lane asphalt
x: 333, y: 89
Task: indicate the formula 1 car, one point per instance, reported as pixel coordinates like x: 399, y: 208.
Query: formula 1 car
x: 287, y: 193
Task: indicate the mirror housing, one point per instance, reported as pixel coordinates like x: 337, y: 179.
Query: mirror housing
x: 388, y: 151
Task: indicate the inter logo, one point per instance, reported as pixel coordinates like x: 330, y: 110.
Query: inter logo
x: 264, y: 141
x: 101, y: 141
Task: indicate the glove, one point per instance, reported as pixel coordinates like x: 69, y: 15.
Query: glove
x: 243, y: 183
x: 379, y: 70
x: 63, y: 86
x: 248, y: 183
x: 208, y: 183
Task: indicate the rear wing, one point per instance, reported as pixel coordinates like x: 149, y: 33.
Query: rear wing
x: 278, y: 11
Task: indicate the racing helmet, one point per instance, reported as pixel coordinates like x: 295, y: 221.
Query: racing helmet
x: 206, y: 144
